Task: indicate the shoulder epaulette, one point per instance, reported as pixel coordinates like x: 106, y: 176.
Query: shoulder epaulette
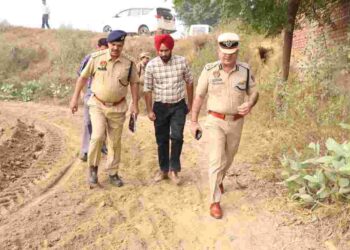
x: 99, y: 53
x: 129, y: 57
x: 210, y: 66
x: 243, y: 65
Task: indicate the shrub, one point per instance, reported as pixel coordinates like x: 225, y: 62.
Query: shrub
x: 73, y: 47
x: 322, y: 177
x: 14, y: 59
x: 24, y: 92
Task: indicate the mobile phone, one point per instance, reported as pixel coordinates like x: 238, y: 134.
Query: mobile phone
x: 132, y: 123
x: 198, y: 134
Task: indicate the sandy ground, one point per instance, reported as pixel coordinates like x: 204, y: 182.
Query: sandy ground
x: 49, y: 205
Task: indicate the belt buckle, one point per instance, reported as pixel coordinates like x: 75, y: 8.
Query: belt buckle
x: 109, y: 104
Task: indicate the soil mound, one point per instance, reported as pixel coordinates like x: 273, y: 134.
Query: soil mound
x: 19, y: 151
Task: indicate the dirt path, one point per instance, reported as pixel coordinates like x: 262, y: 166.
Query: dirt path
x: 57, y: 210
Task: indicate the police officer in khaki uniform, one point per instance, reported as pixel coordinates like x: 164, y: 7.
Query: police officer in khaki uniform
x: 112, y: 73
x: 141, y: 66
x: 144, y: 58
x: 231, y: 96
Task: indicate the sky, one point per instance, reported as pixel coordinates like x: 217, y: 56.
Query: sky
x: 78, y: 14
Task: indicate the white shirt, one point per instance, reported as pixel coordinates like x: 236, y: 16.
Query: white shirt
x: 46, y: 9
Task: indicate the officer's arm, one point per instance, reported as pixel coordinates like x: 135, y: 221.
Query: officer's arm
x: 201, y: 91
x: 83, y: 64
x: 80, y: 84
x: 134, y: 88
x: 196, y: 107
x: 253, y: 94
x: 253, y: 98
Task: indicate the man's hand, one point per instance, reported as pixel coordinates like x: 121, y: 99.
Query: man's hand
x: 244, y: 109
x: 194, y: 127
x: 134, y: 109
x: 73, y: 105
x: 152, y: 116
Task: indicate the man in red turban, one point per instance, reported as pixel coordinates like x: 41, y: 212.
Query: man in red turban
x: 166, y: 39
x: 168, y: 76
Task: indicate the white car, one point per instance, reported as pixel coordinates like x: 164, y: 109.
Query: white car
x: 200, y: 29
x: 142, y: 21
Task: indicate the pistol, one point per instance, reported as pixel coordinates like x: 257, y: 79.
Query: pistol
x: 198, y: 134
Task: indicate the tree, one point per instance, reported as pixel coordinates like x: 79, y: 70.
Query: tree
x: 198, y: 12
x: 270, y: 16
x: 292, y: 10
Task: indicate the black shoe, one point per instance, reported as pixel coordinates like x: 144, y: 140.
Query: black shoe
x: 115, y: 180
x: 93, y: 179
x: 83, y: 156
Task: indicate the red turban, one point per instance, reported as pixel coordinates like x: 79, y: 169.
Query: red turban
x: 166, y: 39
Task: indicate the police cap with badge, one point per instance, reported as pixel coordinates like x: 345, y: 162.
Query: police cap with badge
x: 116, y: 36
x: 228, y: 43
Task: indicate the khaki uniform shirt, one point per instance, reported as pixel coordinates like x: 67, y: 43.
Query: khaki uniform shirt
x: 226, y: 91
x: 110, y: 78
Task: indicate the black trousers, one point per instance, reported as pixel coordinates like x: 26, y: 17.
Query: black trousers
x: 169, y: 125
x: 45, y: 21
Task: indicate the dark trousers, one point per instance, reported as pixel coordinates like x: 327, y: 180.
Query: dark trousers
x: 45, y: 21
x: 169, y: 125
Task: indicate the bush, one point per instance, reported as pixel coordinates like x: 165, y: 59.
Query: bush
x: 4, y: 25
x: 320, y: 178
x: 73, y: 47
x: 14, y: 59
x: 24, y: 92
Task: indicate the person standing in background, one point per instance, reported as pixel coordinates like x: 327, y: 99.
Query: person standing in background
x: 144, y: 58
x: 45, y: 17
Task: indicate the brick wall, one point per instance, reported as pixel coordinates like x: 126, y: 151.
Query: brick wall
x: 328, y: 35
x: 336, y: 32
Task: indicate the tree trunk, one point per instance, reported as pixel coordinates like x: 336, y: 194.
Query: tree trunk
x: 293, y: 6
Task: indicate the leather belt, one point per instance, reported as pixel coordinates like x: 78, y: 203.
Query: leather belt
x: 235, y: 117
x: 169, y: 105
x: 109, y: 104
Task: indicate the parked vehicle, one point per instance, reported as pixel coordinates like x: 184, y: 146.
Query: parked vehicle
x: 199, y: 29
x: 142, y: 21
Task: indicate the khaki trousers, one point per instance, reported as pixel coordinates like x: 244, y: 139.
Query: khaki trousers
x: 105, y: 120
x: 224, y: 137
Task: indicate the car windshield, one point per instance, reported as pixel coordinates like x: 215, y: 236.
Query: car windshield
x: 135, y: 12
x: 165, y: 13
x: 123, y: 13
x: 146, y: 11
x: 199, y: 30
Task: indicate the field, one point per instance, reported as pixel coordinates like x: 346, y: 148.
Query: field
x: 45, y: 201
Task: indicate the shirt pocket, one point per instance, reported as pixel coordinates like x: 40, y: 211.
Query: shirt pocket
x: 216, y: 86
x: 239, y: 90
x: 240, y: 85
x: 100, y: 76
x: 122, y: 76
